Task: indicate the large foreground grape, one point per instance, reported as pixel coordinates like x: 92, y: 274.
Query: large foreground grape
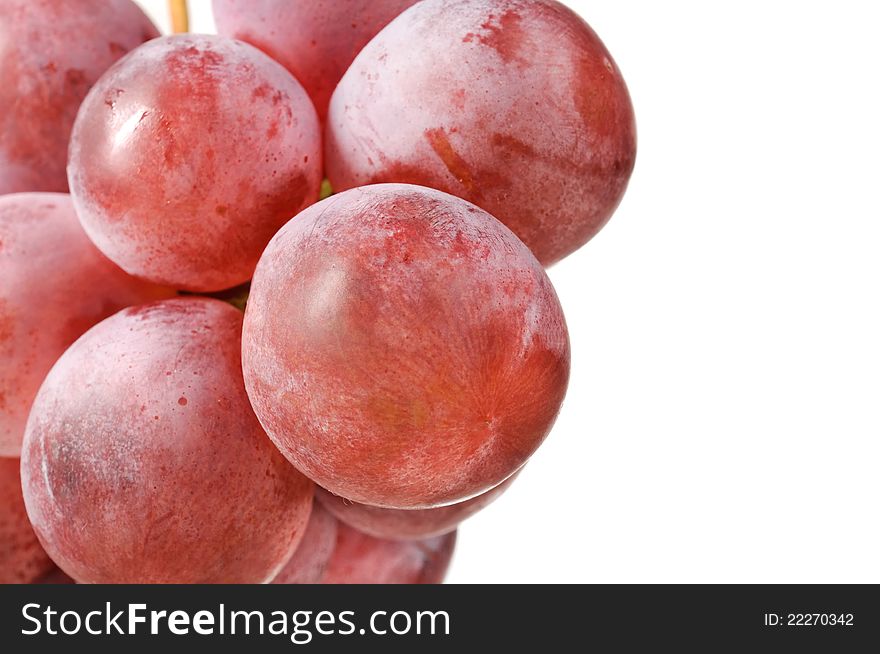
x: 51, y: 52
x: 403, y: 348
x: 407, y: 524
x: 54, y: 285
x: 315, y: 39
x: 515, y: 105
x: 143, y: 462
x: 189, y: 155
x: 362, y: 559
x: 22, y: 559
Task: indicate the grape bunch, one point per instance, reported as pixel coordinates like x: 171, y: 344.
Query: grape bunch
x: 401, y: 354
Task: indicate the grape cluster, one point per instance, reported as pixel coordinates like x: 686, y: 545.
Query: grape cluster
x: 402, y: 353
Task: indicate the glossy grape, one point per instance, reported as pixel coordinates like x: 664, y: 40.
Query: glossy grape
x: 51, y: 53
x: 515, y: 105
x: 316, y: 40
x: 54, y: 285
x: 309, y: 561
x: 188, y: 155
x: 403, y: 348
x: 362, y: 559
x: 22, y: 559
x: 143, y: 462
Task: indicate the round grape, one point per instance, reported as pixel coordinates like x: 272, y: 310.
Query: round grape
x: 403, y: 348
x: 143, y: 462
x: 515, y: 105
x: 188, y: 155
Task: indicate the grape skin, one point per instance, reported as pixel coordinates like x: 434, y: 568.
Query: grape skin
x: 403, y: 348
x: 22, y: 560
x: 188, y: 155
x: 514, y: 105
x: 362, y: 559
x: 309, y: 561
x: 54, y: 285
x: 143, y: 462
x: 413, y: 524
x: 316, y: 40
x: 56, y: 576
x: 53, y: 52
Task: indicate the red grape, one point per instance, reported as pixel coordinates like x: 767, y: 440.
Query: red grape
x: 143, y: 462
x: 310, y: 559
x: 315, y: 39
x: 403, y: 524
x: 55, y: 576
x: 22, y: 560
x: 515, y: 105
x: 362, y: 559
x: 54, y: 285
x: 403, y: 348
x: 52, y: 53
x: 188, y: 155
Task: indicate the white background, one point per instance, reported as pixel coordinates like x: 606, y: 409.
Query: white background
x: 722, y: 422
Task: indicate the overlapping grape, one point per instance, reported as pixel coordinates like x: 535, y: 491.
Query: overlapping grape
x: 51, y: 53
x: 515, y: 105
x: 54, y: 285
x: 188, y: 155
x: 143, y: 433
x: 316, y: 40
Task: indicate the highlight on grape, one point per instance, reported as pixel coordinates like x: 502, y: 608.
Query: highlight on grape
x: 273, y: 301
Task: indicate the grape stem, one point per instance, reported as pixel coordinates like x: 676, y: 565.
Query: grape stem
x: 236, y: 296
x: 179, y: 16
x: 326, y: 190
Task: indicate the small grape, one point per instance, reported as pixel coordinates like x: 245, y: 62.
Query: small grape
x: 411, y: 524
x: 310, y: 559
x: 362, y: 559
